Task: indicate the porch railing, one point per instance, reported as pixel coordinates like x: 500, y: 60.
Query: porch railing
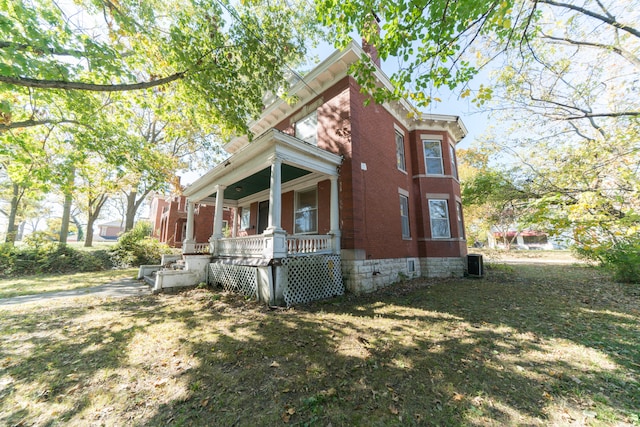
x: 251, y: 246
x: 201, y: 248
x: 309, y: 244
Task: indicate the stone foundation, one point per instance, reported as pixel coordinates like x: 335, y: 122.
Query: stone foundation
x: 364, y: 276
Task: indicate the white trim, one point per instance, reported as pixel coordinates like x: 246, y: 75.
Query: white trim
x: 406, y: 197
x: 433, y: 175
x: 431, y: 137
x: 399, y: 128
x: 402, y: 135
x: 327, y: 74
x: 258, y: 156
x: 403, y: 192
x: 295, y: 208
x: 306, y: 111
x: 424, y: 157
x: 440, y: 196
x: 448, y: 218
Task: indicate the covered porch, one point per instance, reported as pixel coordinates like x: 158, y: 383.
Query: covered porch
x: 258, y: 175
x: 284, y: 197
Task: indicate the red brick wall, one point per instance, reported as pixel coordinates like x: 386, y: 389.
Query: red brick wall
x: 287, y: 211
x: 435, y: 186
x: 376, y: 194
x: 324, y: 207
x: 369, y: 199
x: 203, y: 223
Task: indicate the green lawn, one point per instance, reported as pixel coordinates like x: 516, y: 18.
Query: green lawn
x: 527, y: 345
x: 29, y: 285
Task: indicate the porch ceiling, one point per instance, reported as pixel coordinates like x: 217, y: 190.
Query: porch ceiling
x: 250, y: 168
x: 260, y: 181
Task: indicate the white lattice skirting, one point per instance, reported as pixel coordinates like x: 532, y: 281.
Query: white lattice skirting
x: 311, y: 278
x: 298, y: 280
x: 242, y: 279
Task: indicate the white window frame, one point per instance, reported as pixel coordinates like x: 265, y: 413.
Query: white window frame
x: 454, y: 163
x: 297, y: 211
x: 460, y: 220
x: 245, y: 218
x: 433, y: 219
x: 426, y: 159
x: 306, y: 123
x: 404, y: 217
x: 401, y: 159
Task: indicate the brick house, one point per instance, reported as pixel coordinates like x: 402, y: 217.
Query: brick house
x: 168, y: 215
x: 333, y: 194
x: 110, y: 230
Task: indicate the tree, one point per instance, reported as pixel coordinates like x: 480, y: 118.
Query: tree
x: 223, y: 57
x: 500, y: 200
x: 576, y: 90
x: 444, y: 44
x: 95, y: 183
x: 25, y: 170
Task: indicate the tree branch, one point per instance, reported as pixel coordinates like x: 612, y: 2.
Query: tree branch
x: 608, y: 19
x: 29, y: 48
x: 594, y: 115
x: 59, y: 84
x: 622, y: 52
x: 30, y: 123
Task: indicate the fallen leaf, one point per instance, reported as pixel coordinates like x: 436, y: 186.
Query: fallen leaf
x: 291, y: 411
x: 275, y: 364
x: 393, y: 410
x: 458, y: 397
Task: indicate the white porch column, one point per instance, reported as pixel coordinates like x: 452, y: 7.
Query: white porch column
x: 334, y: 214
x: 189, y: 244
x: 275, y: 242
x: 234, y: 227
x: 217, y: 221
x: 217, y: 217
x: 275, y: 195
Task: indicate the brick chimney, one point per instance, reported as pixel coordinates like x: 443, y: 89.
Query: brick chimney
x: 368, y: 47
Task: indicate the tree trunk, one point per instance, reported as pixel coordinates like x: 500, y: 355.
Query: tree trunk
x: 66, y: 208
x: 79, y: 227
x: 20, y: 230
x: 92, y: 216
x: 88, y: 240
x: 11, y: 226
x: 132, y: 207
x: 66, y: 215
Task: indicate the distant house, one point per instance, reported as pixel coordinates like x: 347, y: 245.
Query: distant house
x: 330, y: 194
x: 168, y: 216
x: 111, y: 230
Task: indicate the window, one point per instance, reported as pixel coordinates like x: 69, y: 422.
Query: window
x: 404, y: 216
x: 454, y: 167
x: 244, y: 219
x: 400, y: 151
x: 306, y: 212
x: 307, y: 128
x: 460, y: 223
x: 439, y: 214
x: 433, y: 157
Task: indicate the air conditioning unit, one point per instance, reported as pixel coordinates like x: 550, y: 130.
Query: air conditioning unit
x: 474, y: 265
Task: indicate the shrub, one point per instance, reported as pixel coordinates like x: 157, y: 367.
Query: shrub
x: 624, y: 260
x: 45, y: 257
x: 135, y: 247
x: 621, y: 258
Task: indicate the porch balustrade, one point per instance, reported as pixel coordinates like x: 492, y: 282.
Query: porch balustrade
x: 309, y: 244
x: 253, y: 246
x: 202, y: 248
x: 250, y: 246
